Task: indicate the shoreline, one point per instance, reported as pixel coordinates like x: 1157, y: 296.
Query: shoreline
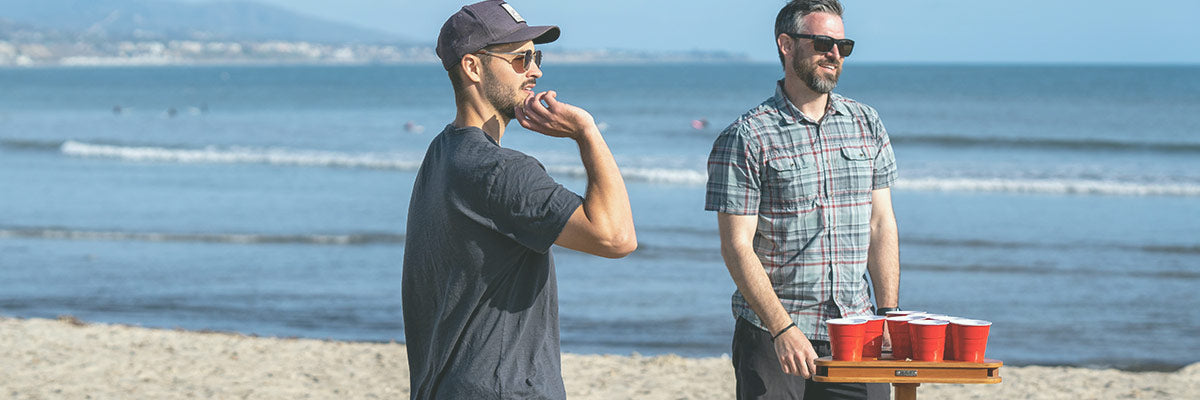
x: 69, y: 358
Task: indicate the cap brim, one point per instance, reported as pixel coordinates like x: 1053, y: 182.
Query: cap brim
x: 538, y: 34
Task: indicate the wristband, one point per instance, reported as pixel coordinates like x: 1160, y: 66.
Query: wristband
x: 884, y: 310
x: 781, y: 331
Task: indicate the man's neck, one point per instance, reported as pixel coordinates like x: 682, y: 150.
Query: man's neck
x: 482, y: 117
x: 811, y: 103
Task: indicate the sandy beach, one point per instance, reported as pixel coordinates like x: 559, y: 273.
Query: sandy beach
x: 69, y: 359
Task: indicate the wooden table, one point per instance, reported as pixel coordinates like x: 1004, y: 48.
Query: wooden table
x: 905, y: 376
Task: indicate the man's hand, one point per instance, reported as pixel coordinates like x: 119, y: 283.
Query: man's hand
x: 796, y: 354
x: 543, y: 113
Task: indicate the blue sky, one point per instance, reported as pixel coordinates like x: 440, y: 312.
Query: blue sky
x: 908, y: 31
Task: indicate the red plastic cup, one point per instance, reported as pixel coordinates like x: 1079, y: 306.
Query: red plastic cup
x: 873, y: 337
x: 928, y: 339
x: 898, y: 328
x: 846, y: 338
x: 948, y: 351
x: 970, y: 340
x: 951, y: 339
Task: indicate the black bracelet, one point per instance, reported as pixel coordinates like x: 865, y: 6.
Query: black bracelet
x: 785, y: 329
x: 884, y: 310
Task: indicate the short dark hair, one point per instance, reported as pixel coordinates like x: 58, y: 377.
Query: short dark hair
x: 456, y: 80
x: 791, y: 17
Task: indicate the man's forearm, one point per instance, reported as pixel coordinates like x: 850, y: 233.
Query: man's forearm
x: 606, y: 202
x: 752, y: 281
x: 883, y: 262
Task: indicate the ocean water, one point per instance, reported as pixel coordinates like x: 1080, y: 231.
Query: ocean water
x: 1061, y: 203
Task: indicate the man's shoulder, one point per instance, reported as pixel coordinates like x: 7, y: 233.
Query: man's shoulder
x: 753, y: 121
x: 469, y: 150
x: 505, y: 159
x: 855, y: 107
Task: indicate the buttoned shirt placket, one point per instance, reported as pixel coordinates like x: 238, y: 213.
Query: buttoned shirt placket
x: 822, y: 149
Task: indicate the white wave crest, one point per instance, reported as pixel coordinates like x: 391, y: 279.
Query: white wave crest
x: 672, y: 176
x: 331, y: 159
x: 232, y: 238
x: 652, y: 175
x: 1049, y: 186
x: 240, y: 155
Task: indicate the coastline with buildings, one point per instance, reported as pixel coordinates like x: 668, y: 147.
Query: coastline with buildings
x: 279, y: 52
x: 54, y: 33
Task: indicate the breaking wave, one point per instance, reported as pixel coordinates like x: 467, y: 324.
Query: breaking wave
x: 635, y: 173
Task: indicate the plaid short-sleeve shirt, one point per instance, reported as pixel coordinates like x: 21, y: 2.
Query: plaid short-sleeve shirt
x: 809, y: 182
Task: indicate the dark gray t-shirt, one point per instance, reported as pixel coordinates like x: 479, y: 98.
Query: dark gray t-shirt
x: 479, y: 292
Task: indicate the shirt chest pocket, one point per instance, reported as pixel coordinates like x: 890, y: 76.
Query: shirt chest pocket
x: 856, y: 169
x: 791, y: 182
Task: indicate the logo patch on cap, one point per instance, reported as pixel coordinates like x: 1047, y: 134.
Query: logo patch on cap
x: 512, y: 12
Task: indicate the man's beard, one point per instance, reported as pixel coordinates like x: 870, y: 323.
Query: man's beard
x: 504, y: 99
x: 808, y: 73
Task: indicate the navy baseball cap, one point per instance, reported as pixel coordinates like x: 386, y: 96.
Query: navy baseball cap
x: 483, y: 24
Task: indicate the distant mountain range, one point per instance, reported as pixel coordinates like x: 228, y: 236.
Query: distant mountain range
x: 166, y: 32
x: 112, y: 20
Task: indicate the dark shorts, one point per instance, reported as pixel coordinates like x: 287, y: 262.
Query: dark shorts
x: 759, y: 375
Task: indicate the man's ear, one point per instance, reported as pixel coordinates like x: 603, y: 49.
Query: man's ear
x: 785, y: 44
x: 472, y: 68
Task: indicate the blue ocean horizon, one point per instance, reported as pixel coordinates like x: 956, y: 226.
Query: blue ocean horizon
x: 1059, y: 202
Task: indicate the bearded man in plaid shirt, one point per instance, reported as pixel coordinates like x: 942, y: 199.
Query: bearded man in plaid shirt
x: 801, y: 187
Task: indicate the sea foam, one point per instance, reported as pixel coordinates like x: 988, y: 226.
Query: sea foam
x: 1048, y: 186
x: 57, y: 233
x: 669, y: 176
x: 244, y: 155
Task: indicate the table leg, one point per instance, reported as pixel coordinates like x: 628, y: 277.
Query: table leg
x: 905, y: 391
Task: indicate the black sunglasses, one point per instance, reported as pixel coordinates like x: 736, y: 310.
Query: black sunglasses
x: 526, y: 57
x: 823, y: 44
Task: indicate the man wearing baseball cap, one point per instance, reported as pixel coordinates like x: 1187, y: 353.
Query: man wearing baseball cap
x: 479, y: 289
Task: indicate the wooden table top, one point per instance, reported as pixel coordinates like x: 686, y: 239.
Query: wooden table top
x: 906, y: 371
